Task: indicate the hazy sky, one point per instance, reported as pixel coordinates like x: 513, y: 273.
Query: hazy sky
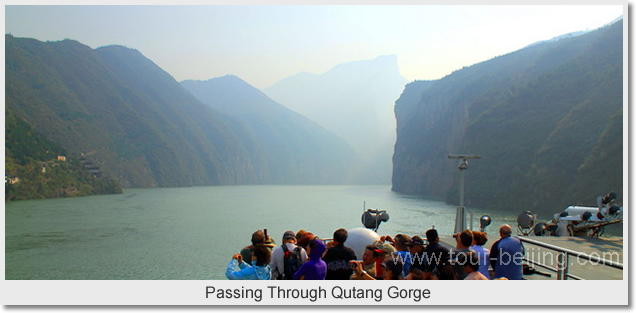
x: 264, y: 44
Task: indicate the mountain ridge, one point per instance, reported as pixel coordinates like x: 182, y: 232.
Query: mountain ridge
x: 139, y: 124
x: 515, y: 110
x: 288, y: 136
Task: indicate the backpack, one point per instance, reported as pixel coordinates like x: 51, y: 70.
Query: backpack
x: 291, y: 261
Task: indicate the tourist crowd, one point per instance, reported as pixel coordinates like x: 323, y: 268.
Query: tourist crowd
x: 305, y: 256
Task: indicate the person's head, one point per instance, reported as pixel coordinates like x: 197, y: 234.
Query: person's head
x: 289, y: 236
x: 300, y: 234
x: 432, y: 236
x: 416, y: 245
x: 316, y: 248
x: 371, y: 254
x: 465, y: 238
x: 305, y: 239
x: 469, y: 260
x: 400, y: 241
x: 479, y: 238
x: 415, y: 274
x: 392, y: 268
x: 258, y: 237
x: 262, y: 255
x: 505, y: 231
x: 387, y: 247
x: 446, y: 272
x: 340, y: 235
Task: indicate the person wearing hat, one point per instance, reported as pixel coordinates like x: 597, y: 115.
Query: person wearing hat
x: 261, y: 238
x: 392, y: 269
x: 288, y: 250
x: 435, y: 253
x: 388, y: 248
x: 403, y: 253
x: 418, y: 256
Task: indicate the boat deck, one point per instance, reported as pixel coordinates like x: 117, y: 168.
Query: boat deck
x: 608, y: 248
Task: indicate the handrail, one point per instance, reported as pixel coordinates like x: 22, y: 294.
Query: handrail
x: 563, y: 259
x: 583, y: 255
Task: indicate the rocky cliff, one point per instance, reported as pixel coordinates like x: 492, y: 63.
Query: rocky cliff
x: 546, y: 120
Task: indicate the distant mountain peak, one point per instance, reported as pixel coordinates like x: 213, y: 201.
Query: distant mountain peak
x: 297, y: 144
x: 220, y: 85
x: 229, y: 78
x: 354, y: 100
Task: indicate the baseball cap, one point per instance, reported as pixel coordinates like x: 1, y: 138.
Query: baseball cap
x: 415, y: 240
x: 289, y: 235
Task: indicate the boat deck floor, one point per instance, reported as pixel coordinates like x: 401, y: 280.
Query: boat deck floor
x: 609, y: 248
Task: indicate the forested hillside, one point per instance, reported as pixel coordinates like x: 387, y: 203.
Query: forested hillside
x: 138, y: 124
x: 547, y: 121
x: 37, y: 168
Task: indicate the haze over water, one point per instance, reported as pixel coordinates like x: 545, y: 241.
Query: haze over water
x: 191, y: 233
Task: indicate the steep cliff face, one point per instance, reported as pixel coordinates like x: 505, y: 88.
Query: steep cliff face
x: 539, y: 117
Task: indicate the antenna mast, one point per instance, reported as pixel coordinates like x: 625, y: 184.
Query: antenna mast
x: 460, y: 214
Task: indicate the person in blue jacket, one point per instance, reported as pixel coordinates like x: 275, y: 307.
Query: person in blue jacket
x: 259, y: 270
x: 506, y: 255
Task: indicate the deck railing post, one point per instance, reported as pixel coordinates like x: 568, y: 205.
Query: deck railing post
x: 566, y: 270
x: 561, y: 266
x: 563, y: 255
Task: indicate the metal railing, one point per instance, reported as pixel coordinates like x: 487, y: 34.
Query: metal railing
x: 563, y: 259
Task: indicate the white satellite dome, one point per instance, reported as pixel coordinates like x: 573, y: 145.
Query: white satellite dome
x: 359, y: 238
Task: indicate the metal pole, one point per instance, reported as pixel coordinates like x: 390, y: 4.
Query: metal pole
x: 460, y: 214
x: 566, y: 271
x: 561, y: 266
x: 460, y: 220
